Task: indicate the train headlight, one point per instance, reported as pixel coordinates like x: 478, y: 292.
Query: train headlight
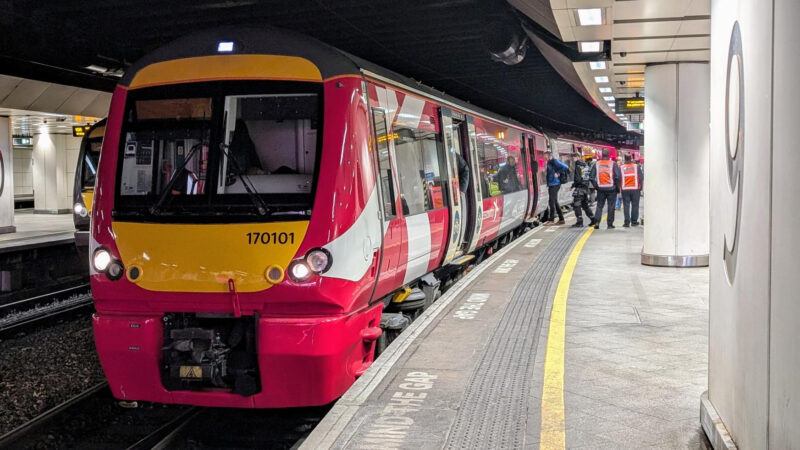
x: 115, y: 270
x: 80, y: 210
x: 319, y: 260
x: 299, y: 270
x: 101, y: 259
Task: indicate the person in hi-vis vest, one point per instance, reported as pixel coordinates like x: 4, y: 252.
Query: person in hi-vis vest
x: 606, y: 178
x: 632, y: 179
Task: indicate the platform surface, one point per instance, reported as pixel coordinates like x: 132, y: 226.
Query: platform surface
x: 37, y: 230
x: 469, y: 372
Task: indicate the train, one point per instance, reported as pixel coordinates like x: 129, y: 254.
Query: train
x: 269, y: 212
x: 83, y: 185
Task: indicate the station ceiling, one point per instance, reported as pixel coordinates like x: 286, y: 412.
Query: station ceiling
x: 441, y: 43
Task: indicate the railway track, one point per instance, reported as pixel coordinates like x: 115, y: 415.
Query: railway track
x: 26, y: 313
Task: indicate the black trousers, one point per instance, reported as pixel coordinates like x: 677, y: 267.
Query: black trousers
x: 603, y: 198
x: 552, y: 192
x: 630, y: 205
x: 581, y: 201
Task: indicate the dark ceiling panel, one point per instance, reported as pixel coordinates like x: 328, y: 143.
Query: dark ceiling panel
x: 438, y: 42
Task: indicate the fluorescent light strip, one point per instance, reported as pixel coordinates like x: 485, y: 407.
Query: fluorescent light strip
x: 608, y: 98
x: 605, y: 90
x: 602, y: 79
x: 590, y: 16
x: 597, y: 65
x: 590, y: 46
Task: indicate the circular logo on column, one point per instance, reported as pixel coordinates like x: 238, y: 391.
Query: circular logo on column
x: 734, y: 144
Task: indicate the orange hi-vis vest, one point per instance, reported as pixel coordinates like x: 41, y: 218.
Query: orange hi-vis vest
x: 605, y: 173
x: 630, y: 177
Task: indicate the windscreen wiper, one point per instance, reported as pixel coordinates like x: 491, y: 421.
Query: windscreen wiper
x: 255, y: 199
x: 163, y: 195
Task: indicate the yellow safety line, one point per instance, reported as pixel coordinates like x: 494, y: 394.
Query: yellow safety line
x: 552, y: 434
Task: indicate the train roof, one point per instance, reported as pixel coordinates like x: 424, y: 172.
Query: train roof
x: 330, y: 61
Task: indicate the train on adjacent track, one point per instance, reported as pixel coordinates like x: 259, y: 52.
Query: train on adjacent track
x: 270, y: 211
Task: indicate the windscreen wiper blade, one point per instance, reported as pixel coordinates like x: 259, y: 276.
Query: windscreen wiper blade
x: 255, y: 199
x: 163, y: 195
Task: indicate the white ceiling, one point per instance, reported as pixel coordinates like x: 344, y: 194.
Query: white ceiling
x: 647, y: 31
x: 57, y: 99
x: 29, y: 123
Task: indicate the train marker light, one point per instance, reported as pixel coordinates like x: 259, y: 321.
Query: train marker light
x: 101, y: 259
x: 274, y: 274
x: 115, y: 270
x: 225, y: 47
x: 319, y: 260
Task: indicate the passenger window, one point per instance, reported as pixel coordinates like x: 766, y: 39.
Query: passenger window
x: 384, y: 165
x: 419, y: 163
x: 566, y: 159
x: 270, y: 143
x: 501, y: 166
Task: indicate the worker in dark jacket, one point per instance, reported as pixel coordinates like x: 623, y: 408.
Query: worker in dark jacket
x: 605, y: 176
x: 557, y: 173
x: 580, y: 190
x: 508, y: 178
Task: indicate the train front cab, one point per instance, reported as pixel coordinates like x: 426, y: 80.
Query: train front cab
x: 83, y: 188
x: 223, y: 270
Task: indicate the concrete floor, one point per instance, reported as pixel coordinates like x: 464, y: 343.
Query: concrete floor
x: 38, y: 228
x: 636, y: 355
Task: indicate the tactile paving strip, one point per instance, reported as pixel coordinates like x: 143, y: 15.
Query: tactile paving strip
x: 493, y: 412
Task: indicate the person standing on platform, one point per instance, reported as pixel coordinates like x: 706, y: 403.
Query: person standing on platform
x: 606, y: 177
x: 632, y: 179
x: 556, y: 170
x: 580, y: 190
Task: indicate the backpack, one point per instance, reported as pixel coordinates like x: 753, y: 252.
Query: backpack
x: 584, y: 171
x: 563, y: 176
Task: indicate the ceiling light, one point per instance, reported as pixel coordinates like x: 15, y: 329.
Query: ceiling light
x: 603, y: 79
x: 225, y: 47
x: 590, y: 46
x: 591, y: 16
x: 597, y: 65
x: 608, y: 98
x: 605, y: 90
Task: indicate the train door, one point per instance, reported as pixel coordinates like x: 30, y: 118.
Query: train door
x: 392, y: 224
x: 453, y: 135
x: 474, y: 194
x: 533, y: 177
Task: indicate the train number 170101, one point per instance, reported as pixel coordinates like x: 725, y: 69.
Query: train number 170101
x: 256, y: 238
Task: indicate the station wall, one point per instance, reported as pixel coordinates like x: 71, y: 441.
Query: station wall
x: 754, y: 307
x: 54, y: 159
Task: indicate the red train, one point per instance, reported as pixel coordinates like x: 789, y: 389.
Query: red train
x: 268, y: 209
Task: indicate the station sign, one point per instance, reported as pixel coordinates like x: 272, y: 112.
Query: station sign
x: 633, y: 105
x: 23, y: 141
x: 80, y: 130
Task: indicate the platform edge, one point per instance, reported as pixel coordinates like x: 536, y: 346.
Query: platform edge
x: 330, y: 428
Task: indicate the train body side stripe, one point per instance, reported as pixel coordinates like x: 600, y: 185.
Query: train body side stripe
x: 419, y: 246
x: 352, y: 250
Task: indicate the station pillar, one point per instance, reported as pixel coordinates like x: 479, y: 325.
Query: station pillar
x: 677, y: 162
x: 6, y: 178
x: 54, y: 161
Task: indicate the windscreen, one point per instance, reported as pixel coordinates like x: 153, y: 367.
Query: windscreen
x: 91, y: 157
x: 243, y: 151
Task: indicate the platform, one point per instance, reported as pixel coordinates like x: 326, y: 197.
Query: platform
x: 38, y: 230
x: 625, y: 369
